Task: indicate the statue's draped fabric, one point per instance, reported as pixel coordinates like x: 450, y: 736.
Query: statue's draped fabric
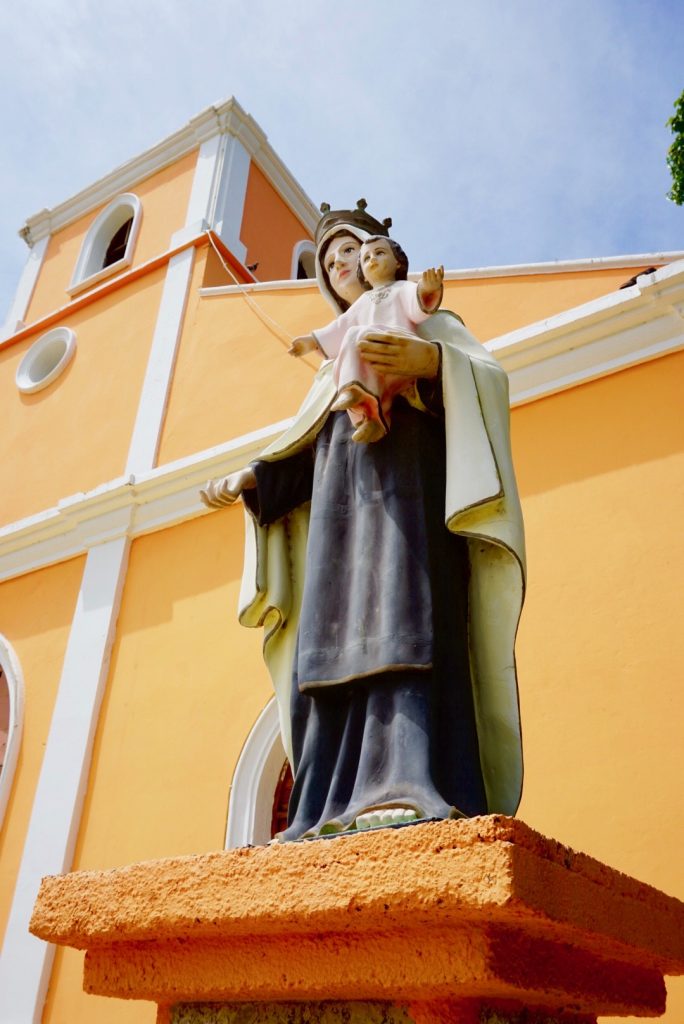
x: 389, y: 579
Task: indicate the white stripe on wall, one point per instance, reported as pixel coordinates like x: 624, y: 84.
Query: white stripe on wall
x: 26, y: 961
x: 155, y: 392
x: 229, y: 207
x: 27, y: 282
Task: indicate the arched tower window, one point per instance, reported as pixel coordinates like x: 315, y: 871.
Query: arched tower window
x: 11, y: 718
x: 303, y: 260
x: 116, y: 250
x: 109, y: 243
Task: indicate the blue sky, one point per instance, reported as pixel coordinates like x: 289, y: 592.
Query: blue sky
x: 493, y: 131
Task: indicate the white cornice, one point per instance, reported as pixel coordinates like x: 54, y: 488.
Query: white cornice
x: 607, y: 334
x: 225, y: 117
x: 592, y: 340
x: 473, y: 273
x: 133, y: 505
x: 565, y: 266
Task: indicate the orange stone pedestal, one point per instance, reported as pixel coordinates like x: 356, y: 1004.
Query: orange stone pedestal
x: 469, y: 922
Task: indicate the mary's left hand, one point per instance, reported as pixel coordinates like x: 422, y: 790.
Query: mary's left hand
x: 396, y: 352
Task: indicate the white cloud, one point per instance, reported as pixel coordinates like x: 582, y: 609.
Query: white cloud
x: 492, y: 132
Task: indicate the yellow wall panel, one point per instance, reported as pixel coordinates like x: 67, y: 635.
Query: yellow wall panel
x: 233, y: 375
x: 600, y: 649
x: 495, y: 305
x: 35, y: 616
x: 164, y: 197
x: 186, y: 685
x: 75, y: 434
x: 269, y: 229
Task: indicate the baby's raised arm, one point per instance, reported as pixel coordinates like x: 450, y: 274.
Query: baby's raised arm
x: 431, y: 289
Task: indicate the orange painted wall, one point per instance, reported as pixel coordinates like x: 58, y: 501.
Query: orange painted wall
x: 35, y: 616
x: 269, y: 229
x: 164, y: 197
x: 496, y: 305
x: 232, y: 374
x: 186, y: 685
x: 600, y: 649
x: 75, y: 434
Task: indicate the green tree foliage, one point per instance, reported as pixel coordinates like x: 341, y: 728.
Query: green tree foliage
x: 675, y: 155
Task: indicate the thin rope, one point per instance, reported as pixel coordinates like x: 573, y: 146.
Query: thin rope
x: 276, y: 329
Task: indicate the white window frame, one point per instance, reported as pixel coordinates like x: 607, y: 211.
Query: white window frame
x: 304, y: 248
x: 89, y: 270
x: 15, y: 683
x: 261, y: 760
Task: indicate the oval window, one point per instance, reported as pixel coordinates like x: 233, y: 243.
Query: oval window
x: 46, y: 359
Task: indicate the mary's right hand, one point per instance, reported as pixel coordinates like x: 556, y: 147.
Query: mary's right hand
x: 400, y: 353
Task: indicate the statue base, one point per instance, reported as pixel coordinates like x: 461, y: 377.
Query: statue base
x: 446, y: 1012
x: 479, y: 921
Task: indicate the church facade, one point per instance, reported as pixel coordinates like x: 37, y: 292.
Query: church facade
x: 145, y: 352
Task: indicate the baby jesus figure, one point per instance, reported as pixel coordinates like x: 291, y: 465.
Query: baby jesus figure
x: 392, y: 303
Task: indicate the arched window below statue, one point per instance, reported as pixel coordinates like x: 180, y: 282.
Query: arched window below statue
x: 281, y: 800
x: 11, y: 718
x: 257, y: 783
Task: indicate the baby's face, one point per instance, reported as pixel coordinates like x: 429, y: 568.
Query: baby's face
x: 378, y: 263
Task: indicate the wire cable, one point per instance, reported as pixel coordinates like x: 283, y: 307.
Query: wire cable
x: 272, y: 325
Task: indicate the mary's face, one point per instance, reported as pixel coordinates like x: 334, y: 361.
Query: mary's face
x: 341, y: 258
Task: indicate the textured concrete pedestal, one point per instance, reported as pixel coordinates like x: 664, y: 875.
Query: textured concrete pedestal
x: 472, y: 922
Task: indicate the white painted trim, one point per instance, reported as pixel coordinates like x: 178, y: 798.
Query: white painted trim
x: 46, y: 360
x: 25, y: 288
x: 225, y: 117
x: 157, y: 383
x: 15, y: 684
x: 233, y: 120
x: 189, y: 237
x: 254, y: 782
x: 305, y: 247
x: 258, y: 286
x: 26, y: 961
x: 127, y: 506
x: 89, y: 270
x: 618, y: 330
x: 229, y: 206
x: 204, y: 182
x: 563, y: 266
x: 514, y: 270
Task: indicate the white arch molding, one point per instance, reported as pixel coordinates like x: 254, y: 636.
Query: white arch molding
x: 89, y: 269
x: 306, y: 252
x: 254, y: 783
x: 15, y: 684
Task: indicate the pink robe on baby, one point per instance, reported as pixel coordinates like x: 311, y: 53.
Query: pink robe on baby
x: 391, y: 307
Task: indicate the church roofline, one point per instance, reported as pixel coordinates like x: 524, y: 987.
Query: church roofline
x: 504, y: 270
x: 224, y: 118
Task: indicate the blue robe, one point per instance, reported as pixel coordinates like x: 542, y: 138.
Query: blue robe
x: 381, y: 708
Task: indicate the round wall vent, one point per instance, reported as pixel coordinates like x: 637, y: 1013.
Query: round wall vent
x: 46, y: 359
